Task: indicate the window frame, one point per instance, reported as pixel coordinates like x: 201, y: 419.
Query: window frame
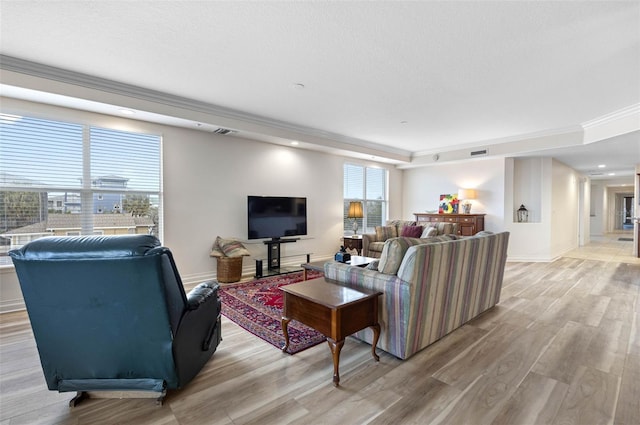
x: 89, y: 191
x: 363, y: 225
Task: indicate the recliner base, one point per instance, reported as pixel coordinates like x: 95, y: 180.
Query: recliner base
x: 83, y: 395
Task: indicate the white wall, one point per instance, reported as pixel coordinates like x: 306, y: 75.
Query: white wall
x: 423, y: 187
x: 564, y: 209
x: 528, y: 241
x: 206, y: 180
x: 636, y: 222
x: 598, y: 205
x: 553, y: 229
x: 584, y: 220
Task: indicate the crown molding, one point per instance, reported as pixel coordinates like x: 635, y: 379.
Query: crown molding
x: 629, y: 111
x: 64, y: 76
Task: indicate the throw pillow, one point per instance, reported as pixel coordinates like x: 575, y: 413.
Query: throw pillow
x: 386, y: 232
x: 232, y: 248
x: 411, y: 231
x: 373, y: 265
x: 429, y: 232
x: 216, y: 251
x: 393, y: 254
x: 484, y: 233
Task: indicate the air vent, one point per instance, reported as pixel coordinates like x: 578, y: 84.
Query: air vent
x: 482, y: 152
x: 223, y: 131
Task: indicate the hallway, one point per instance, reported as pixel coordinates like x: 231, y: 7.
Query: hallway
x: 607, y: 248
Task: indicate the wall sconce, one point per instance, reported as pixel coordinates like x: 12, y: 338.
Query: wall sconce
x: 467, y: 195
x: 355, y: 212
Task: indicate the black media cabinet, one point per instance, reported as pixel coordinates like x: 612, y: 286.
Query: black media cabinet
x: 273, y: 259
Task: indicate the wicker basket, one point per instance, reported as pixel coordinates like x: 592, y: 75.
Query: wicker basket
x: 229, y: 269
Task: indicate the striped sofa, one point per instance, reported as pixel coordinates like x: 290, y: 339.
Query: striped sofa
x: 430, y: 288
x: 373, y: 243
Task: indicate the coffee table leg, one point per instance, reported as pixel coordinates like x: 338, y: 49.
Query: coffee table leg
x: 376, y: 335
x: 285, y: 324
x: 335, y: 347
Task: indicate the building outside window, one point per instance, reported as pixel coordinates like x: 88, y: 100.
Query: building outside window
x: 369, y: 186
x: 61, y: 178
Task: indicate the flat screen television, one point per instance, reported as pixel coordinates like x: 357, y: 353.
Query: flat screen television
x: 276, y: 217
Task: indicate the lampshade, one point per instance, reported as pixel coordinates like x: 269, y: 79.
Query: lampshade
x: 355, y: 210
x: 466, y: 194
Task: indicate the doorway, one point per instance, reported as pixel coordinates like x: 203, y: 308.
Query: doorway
x: 624, y: 211
x: 627, y: 213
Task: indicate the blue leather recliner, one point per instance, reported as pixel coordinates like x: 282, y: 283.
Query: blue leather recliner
x: 110, y: 313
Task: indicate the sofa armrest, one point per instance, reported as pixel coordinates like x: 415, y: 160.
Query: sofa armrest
x: 393, y: 306
x: 367, y: 238
x: 359, y: 277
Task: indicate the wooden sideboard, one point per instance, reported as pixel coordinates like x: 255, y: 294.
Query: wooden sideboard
x: 468, y: 224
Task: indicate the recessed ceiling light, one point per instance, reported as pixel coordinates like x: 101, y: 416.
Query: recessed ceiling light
x: 295, y: 143
x: 611, y: 174
x: 127, y: 111
x: 601, y: 166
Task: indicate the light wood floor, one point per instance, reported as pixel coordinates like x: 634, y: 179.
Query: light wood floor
x: 562, y: 347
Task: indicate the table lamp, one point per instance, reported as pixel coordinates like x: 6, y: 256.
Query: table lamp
x: 355, y: 212
x: 466, y: 195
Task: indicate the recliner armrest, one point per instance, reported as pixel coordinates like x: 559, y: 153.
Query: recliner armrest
x: 201, y: 294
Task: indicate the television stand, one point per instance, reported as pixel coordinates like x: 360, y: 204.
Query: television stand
x: 273, y: 255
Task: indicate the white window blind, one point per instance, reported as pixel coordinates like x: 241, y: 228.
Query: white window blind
x: 59, y: 178
x: 369, y: 186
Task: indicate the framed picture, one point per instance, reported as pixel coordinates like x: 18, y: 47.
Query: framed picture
x: 448, y: 204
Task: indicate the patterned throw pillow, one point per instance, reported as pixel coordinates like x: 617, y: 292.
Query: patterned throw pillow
x: 232, y: 248
x: 216, y: 251
x: 411, y: 231
x: 386, y: 232
x: 429, y: 232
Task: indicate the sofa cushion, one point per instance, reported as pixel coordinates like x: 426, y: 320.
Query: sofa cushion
x: 393, y: 253
x: 400, y: 223
x: 386, y: 232
x: 446, y: 228
x: 429, y: 232
x: 411, y: 231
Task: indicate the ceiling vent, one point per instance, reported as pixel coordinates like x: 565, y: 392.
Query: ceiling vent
x: 476, y: 153
x: 223, y: 131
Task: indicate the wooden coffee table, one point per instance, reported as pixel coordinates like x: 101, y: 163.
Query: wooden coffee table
x: 333, y: 310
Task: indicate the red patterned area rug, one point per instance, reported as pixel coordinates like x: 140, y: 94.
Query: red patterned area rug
x: 257, y: 307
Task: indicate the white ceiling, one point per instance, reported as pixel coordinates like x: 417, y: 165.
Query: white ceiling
x: 410, y: 78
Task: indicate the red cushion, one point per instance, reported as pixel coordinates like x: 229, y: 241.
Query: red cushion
x: 411, y: 231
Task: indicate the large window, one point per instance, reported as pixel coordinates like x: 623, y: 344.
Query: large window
x: 369, y: 186
x: 59, y: 178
